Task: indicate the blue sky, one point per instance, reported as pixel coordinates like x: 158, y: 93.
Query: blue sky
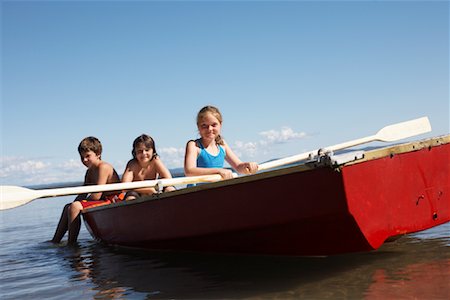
x: 288, y: 76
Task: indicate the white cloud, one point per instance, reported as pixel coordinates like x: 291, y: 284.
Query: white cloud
x: 281, y: 136
x: 70, y: 164
x: 11, y: 165
x: 29, y: 171
x: 270, y: 137
x: 245, y: 148
x: 172, y: 157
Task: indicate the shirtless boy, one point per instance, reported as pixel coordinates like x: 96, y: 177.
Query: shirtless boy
x: 98, y: 172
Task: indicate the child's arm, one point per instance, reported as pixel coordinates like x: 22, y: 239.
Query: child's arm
x: 237, y: 164
x: 190, y: 164
x: 164, y: 173
x: 104, y: 170
x: 128, y: 174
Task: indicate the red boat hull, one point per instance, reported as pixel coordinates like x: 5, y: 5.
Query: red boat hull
x: 302, y: 210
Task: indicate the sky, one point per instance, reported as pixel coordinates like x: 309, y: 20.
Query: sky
x: 288, y: 77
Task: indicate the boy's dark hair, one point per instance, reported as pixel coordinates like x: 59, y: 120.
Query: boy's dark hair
x: 90, y: 143
x: 147, y: 141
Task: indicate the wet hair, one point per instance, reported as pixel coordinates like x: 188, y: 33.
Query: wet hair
x: 90, y: 143
x: 148, y: 142
x: 216, y: 113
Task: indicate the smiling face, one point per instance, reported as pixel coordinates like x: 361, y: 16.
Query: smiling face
x: 144, y: 149
x: 89, y: 158
x: 209, y: 127
x: 143, y: 153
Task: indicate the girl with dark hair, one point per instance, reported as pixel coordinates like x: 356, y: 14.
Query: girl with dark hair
x: 145, y: 165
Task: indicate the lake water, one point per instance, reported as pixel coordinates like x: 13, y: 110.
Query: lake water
x: 413, y: 267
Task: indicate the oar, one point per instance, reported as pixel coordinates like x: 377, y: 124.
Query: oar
x: 14, y: 196
x: 389, y: 133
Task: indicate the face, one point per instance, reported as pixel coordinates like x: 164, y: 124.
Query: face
x: 143, y: 154
x: 209, y: 127
x: 89, y: 158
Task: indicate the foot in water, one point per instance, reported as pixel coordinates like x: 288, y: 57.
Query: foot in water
x: 63, y: 244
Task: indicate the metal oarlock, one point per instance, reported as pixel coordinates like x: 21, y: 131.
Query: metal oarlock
x: 159, y: 187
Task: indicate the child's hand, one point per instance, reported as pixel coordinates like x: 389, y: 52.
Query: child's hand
x: 225, y: 173
x: 251, y: 167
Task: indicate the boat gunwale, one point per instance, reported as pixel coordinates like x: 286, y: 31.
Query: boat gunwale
x: 406, y: 147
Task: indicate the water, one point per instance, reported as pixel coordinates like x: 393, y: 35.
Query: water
x: 413, y: 267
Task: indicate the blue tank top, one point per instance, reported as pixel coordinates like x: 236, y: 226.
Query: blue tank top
x: 207, y: 160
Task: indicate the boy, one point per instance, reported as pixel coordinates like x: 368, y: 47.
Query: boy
x: 98, y: 172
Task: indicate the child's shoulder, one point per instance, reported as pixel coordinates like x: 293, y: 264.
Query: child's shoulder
x: 194, y: 143
x: 156, y: 160
x: 132, y: 163
x: 105, y: 165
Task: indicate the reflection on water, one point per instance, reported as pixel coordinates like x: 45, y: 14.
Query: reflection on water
x: 412, y: 267
x: 408, y: 268
x: 412, y: 282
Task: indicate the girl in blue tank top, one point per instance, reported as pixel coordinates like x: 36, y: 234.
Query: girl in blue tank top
x: 207, y: 160
x: 206, y: 155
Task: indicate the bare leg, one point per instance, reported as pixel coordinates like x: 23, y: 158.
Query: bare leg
x: 63, y: 226
x: 74, y: 220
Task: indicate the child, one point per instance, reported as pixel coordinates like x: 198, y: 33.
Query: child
x: 145, y: 165
x: 98, y: 172
x: 207, y: 154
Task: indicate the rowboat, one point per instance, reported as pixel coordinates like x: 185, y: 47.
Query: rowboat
x: 312, y: 203
x: 331, y: 204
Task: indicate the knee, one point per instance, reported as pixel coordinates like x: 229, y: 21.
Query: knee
x: 75, y: 207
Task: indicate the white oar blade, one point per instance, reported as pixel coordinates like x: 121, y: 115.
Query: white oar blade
x: 404, y: 130
x: 14, y: 196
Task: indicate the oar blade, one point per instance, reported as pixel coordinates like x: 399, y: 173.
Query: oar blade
x: 14, y: 196
x: 404, y: 130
